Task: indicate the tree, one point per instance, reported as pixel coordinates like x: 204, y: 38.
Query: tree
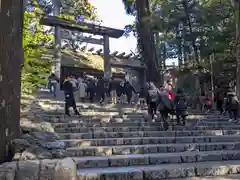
x: 145, y: 35
x: 35, y: 42
x: 11, y: 55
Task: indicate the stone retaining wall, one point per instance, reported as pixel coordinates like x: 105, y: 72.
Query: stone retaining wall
x: 54, y: 169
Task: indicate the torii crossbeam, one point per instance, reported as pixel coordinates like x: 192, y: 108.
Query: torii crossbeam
x: 106, y: 32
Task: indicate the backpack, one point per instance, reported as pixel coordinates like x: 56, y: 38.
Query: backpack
x: 234, y: 100
x: 153, y: 94
x: 181, y: 104
x: 106, y: 85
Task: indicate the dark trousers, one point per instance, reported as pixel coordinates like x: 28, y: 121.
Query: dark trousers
x: 179, y: 117
x: 129, y: 97
x: 164, y: 115
x: 102, y: 97
x: 233, y: 113
x: 152, y: 109
x: 70, y: 102
x: 91, y: 95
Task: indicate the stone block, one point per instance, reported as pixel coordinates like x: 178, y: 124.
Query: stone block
x: 65, y: 169
x: 47, y: 169
x: 119, y: 162
x: 155, y: 174
x: 132, y: 175
x: 102, y: 151
x: 184, y: 139
x: 8, y: 171
x: 164, y: 159
x: 193, y: 147
x: 151, y: 134
x: 205, y: 170
x: 28, y: 170
x: 90, y: 177
x: 151, y: 149
x: 162, y: 149
x: 132, y: 141
x: 137, y: 150
x: 143, y: 160
x: 91, y: 163
x: 188, y: 158
x: 209, y: 157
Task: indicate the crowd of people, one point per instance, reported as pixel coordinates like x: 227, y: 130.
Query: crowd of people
x: 161, y: 100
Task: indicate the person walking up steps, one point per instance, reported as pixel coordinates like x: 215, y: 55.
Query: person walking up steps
x: 69, y: 96
x: 232, y: 105
x: 180, y: 106
x: 152, y: 100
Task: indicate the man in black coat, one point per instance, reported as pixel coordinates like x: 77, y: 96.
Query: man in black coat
x: 69, y: 96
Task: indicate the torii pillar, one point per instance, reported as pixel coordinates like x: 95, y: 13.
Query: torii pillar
x: 107, y: 63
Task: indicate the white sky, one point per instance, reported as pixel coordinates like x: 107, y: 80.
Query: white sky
x: 112, y: 13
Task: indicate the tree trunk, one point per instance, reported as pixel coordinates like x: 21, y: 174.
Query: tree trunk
x: 193, y: 39
x: 11, y: 57
x: 146, y: 40
x: 237, y: 19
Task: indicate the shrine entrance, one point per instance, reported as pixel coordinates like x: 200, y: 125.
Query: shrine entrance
x: 105, y: 32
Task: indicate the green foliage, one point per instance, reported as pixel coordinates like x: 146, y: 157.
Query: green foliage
x: 34, y: 40
x: 73, y: 8
x: 37, y: 65
x: 191, y: 28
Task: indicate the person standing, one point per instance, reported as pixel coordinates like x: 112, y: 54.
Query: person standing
x: 75, y: 86
x: 52, y: 83
x: 232, y: 105
x: 69, y: 96
x: 82, y: 87
x: 129, y: 90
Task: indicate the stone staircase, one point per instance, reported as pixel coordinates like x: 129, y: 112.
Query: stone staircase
x: 126, y: 146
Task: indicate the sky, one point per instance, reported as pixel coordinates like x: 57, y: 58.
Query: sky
x: 113, y: 15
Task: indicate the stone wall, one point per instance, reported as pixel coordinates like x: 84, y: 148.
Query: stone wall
x: 54, y: 169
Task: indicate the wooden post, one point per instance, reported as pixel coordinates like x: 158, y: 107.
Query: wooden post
x: 57, y: 35
x: 107, y: 63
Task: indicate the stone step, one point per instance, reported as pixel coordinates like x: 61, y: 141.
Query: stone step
x: 163, y: 171
x: 150, y: 148
x: 123, y: 134
x: 211, y: 127
x: 226, y: 177
x: 148, y: 140
x: 75, y: 128
x: 154, y: 159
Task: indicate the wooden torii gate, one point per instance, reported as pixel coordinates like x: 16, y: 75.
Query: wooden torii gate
x: 106, y: 32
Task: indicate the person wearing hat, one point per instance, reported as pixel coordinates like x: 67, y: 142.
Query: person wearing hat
x: 69, y: 96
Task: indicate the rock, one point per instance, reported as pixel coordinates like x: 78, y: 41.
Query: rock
x: 47, y: 169
x: 46, y: 136
x: 46, y: 127
x: 29, y: 138
x: 20, y: 145
x: 59, y: 153
x: 65, y: 169
x: 35, y: 152
x: 28, y: 126
x: 28, y: 170
x: 54, y: 145
x: 8, y: 171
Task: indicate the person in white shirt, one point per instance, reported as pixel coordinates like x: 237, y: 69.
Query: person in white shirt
x: 74, y: 85
x: 82, y: 87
